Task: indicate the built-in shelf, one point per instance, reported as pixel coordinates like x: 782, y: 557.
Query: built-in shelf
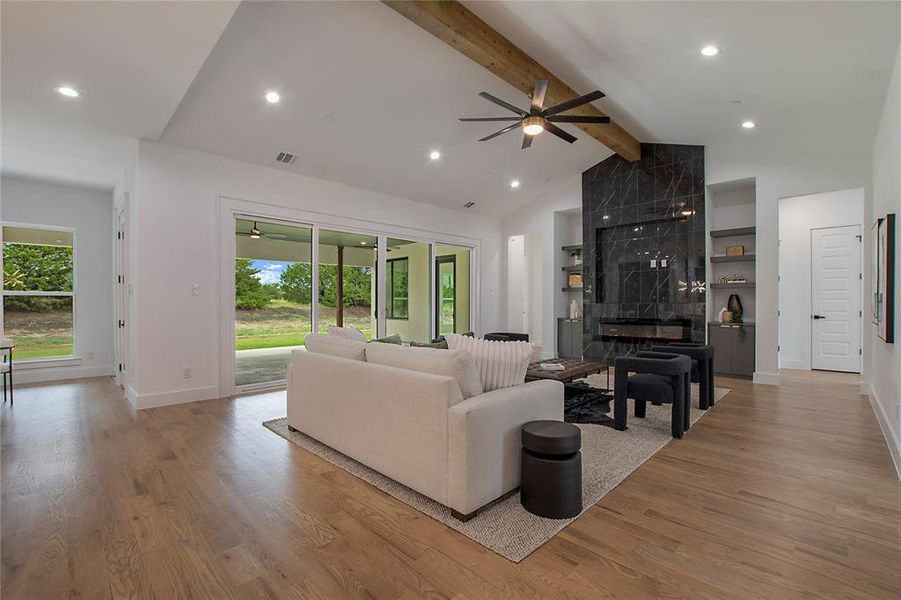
x: 719, y: 323
x: 573, y: 248
x: 572, y: 289
x: 732, y: 286
x: 573, y: 269
x: 736, y: 232
x: 739, y: 258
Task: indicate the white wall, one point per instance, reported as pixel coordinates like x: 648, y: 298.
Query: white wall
x: 797, y: 217
x: 885, y: 359
x: 174, y: 246
x: 779, y: 174
x: 543, y: 217
x: 89, y: 212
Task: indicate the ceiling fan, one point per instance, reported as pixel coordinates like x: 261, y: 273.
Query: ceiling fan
x: 538, y: 118
x: 255, y: 233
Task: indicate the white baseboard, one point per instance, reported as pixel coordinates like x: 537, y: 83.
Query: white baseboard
x: 174, y: 397
x: 894, y: 444
x: 132, y: 395
x: 766, y: 378
x: 865, y: 389
x: 794, y: 364
x: 41, y: 375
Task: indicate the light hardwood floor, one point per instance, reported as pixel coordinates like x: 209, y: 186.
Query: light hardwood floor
x: 779, y: 492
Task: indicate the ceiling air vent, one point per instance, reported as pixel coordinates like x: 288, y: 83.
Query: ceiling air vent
x: 286, y: 157
x: 469, y: 204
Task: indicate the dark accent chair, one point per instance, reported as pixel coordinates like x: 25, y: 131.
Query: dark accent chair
x: 660, y: 378
x: 701, y: 356
x: 503, y: 336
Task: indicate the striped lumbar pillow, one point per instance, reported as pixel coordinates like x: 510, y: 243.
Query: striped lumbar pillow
x: 500, y: 364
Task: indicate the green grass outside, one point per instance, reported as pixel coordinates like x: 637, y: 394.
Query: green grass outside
x: 284, y: 323
x: 24, y: 350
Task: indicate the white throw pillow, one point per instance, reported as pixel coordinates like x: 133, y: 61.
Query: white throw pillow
x: 451, y: 363
x: 500, y: 364
x: 336, y: 346
x: 347, y: 333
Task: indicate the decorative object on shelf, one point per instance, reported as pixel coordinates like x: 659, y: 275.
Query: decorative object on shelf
x: 737, y: 279
x: 726, y: 316
x: 719, y: 316
x: 734, y: 305
x: 722, y: 279
x: 575, y: 259
x: 735, y: 250
x: 574, y: 280
x: 575, y: 309
x: 884, y: 278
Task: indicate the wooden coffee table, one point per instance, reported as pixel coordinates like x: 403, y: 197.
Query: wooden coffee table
x: 576, y: 394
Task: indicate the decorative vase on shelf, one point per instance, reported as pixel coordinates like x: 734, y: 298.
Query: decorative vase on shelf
x: 734, y: 305
x: 574, y: 309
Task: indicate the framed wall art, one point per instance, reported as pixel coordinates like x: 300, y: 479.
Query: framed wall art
x: 883, y: 278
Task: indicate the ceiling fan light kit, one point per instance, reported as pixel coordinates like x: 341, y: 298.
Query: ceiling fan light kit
x: 538, y: 118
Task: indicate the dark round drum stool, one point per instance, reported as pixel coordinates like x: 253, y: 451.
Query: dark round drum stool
x: 551, y: 483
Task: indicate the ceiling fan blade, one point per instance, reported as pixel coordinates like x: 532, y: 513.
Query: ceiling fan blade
x: 526, y: 141
x: 276, y: 236
x: 501, y: 132
x: 490, y: 118
x: 538, y: 95
x: 564, y: 106
x: 559, y: 133
x: 577, y: 119
x: 506, y: 105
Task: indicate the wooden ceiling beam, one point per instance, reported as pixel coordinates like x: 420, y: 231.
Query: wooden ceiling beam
x: 460, y: 28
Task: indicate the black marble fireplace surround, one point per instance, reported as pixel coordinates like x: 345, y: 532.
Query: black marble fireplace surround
x: 644, y: 251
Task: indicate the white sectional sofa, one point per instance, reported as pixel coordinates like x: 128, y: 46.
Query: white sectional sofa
x: 417, y: 415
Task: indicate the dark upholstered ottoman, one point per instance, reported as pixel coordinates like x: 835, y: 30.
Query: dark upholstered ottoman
x: 551, y: 482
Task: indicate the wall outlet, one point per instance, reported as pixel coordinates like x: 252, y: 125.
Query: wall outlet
x: 186, y: 373
x: 195, y: 289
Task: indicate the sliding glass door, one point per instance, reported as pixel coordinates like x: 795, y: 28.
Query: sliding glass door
x: 293, y: 279
x: 452, y: 289
x: 407, y: 290
x: 273, y: 297
x: 347, y: 282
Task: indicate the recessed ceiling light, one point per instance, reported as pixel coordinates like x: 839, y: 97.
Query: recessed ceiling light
x: 272, y: 97
x: 68, y: 92
x: 710, y: 50
x: 362, y: 243
x: 514, y: 184
x: 435, y: 155
x: 749, y: 124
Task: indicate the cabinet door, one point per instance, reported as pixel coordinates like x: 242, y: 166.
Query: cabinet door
x: 564, y: 341
x: 743, y: 351
x: 721, y: 340
x: 576, y: 335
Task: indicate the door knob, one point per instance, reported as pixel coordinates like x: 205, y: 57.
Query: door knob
x: 819, y: 317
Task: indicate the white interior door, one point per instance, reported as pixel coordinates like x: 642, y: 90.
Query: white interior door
x: 835, y: 298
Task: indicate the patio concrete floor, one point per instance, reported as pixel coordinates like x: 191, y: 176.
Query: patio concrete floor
x: 262, y: 365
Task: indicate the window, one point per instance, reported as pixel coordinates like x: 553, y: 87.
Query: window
x: 398, y: 289
x: 38, y: 291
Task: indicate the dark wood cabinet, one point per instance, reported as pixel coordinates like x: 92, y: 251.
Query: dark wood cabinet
x: 569, y: 338
x: 733, y: 347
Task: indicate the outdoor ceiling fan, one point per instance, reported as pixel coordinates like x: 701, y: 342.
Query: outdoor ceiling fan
x: 538, y: 118
x: 255, y: 233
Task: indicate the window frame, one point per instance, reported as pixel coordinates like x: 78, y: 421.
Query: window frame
x: 43, y: 294
x: 389, y: 288
x: 440, y: 260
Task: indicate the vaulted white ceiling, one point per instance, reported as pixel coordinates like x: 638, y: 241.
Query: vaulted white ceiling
x: 366, y: 95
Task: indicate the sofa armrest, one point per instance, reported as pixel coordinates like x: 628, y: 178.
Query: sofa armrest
x: 485, y: 440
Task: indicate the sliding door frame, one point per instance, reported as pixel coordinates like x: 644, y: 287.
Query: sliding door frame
x: 230, y: 208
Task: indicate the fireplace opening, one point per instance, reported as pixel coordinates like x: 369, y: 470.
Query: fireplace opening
x: 649, y: 330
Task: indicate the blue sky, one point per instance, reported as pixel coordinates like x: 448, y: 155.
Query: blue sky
x: 270, y: 270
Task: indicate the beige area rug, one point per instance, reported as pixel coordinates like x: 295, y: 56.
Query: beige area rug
x: 504, y: 526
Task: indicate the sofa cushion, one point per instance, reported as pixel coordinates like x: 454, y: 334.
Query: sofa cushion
x: 439, y: 344
x: 500, y: 364
x: 394, y: 338
x: 457, y: 364
x: 348, y: 333
x: 336, y: 346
